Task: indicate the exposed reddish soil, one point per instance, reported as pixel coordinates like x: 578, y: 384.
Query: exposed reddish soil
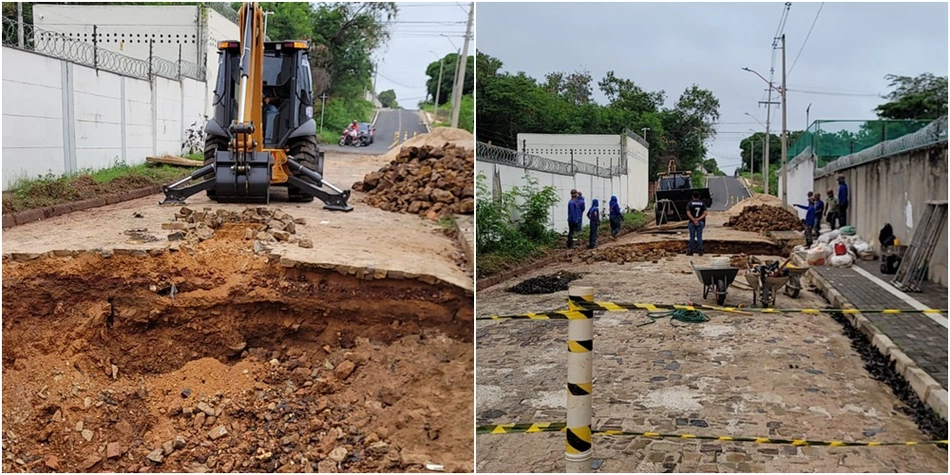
x: 304, y: 369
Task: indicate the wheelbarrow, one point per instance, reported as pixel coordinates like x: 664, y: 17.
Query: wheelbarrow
x: 715, y: 280
x: 794, y: 285
x: 764, y: 288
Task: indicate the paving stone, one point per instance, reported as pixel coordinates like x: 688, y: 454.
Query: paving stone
x: 922, y: 339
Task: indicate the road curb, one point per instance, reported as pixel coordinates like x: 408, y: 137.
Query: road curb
x: 39, y: 214
x: 425, y: 120
x: 927, y: 389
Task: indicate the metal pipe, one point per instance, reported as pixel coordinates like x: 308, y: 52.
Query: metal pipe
x: 580, y: 332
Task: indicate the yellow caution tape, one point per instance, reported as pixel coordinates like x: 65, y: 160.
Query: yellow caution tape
x: 652, y: 307
x: 536, y: 427
x: 621, y: 307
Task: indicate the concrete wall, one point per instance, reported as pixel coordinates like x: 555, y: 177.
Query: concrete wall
x: 60, y: 117
x: 801, y: 180
x: 128, y: 29
x: 601, y: 150
x: 895, y: 190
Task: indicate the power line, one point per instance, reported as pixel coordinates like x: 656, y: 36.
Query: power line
x: 806, y: 40
x: 850, y: 94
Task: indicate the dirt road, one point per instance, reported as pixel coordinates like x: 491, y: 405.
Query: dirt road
x: 777, y: 375
x: 120, y: 354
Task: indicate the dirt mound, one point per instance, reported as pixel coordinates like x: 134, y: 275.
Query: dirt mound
x: 545, y: 284
x: 645, y: 252
x: 250, y: 366
x: 426, y: 180
x: 757, y: 200
x: 759, y: 218
x: 438, y: 137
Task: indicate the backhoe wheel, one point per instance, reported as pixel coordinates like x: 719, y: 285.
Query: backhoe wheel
x: 304, y: 150
x: 212, y: 144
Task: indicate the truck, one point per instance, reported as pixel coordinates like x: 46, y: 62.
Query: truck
x: 674, y: 191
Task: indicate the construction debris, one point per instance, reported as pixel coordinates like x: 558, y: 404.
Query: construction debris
x: 265, y: 225
x: 624, y: 254
x: 175, y: 161
x: 428, y: 181
x: 545, y: 284
x: 766, y: 218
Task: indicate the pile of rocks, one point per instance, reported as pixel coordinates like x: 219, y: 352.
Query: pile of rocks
x: 267, y: 226
x: 760, y: 218
x: 428, y: 181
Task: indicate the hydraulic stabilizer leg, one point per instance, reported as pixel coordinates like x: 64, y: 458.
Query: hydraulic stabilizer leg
x: 309, y: 183
x: 176, y: 195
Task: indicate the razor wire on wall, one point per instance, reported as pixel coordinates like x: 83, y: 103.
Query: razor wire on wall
x: 504, y: 156
x: 934, y: 133
x: 58, y: 45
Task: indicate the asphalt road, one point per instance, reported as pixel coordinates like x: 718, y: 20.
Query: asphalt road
x: 726, y: 191
x: 393, y: 127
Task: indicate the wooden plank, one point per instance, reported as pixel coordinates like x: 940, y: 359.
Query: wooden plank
x: 176, y: 161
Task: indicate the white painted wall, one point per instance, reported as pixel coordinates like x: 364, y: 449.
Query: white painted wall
x: 127, y: 30
x: 33, y: 135
x: 60, y: 117
x: 801, y: 180
x: 601, y: 150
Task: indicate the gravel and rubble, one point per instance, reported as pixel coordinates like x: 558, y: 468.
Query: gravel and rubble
x: 429, y: 181
x: 262, y: 225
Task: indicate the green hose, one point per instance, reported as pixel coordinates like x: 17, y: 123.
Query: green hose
x: 685, y: 316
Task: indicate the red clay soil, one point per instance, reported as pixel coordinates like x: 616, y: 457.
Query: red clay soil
x: 246, y: 366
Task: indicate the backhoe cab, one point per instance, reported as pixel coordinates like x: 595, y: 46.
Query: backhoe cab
x: 262, y: 132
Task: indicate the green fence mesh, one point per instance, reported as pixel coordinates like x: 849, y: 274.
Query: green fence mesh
x: 830, y: 139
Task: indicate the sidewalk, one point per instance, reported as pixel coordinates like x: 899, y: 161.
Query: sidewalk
x: 919, y: 340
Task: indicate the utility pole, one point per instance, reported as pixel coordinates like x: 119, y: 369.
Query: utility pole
x: 438, y: 87
x: 768, y: 133
x: 375, y: 75
x: 807, y: 122
x: 19, y: 23
x: 460, y: 81
x: 323, y: 108
x: 784, y: 131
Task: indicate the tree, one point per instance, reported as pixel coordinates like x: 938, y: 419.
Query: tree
x: 448, y: 65
x: 922, y: 97
x: 574, y: 88
x: 388, y: 98
x: 344, y: 37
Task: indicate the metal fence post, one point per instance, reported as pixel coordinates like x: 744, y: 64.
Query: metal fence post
x: 580, y: 346
x: 95, y: 48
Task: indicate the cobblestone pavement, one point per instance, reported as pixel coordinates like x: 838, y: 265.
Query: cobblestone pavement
x: 740, y: 375
x: 922, y: 339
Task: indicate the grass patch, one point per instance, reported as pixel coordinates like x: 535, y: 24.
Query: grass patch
x: 444, y: 117
x: 52, y: 190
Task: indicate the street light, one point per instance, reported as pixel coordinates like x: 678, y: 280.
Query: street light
x: 438, y: 86
x: 757, y: 120
x: 768, y: 115
x: 644, y: 130
x: 777, y: 89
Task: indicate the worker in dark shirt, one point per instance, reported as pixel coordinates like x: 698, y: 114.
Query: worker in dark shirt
x: 843, y: 202
x: 819, y: 214
x: 810, y: 220
x: 696, y: 212
x: 573, y: 219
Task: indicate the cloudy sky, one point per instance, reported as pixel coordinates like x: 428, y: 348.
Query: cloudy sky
x: 417, y: 41
x: 673, y: 45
